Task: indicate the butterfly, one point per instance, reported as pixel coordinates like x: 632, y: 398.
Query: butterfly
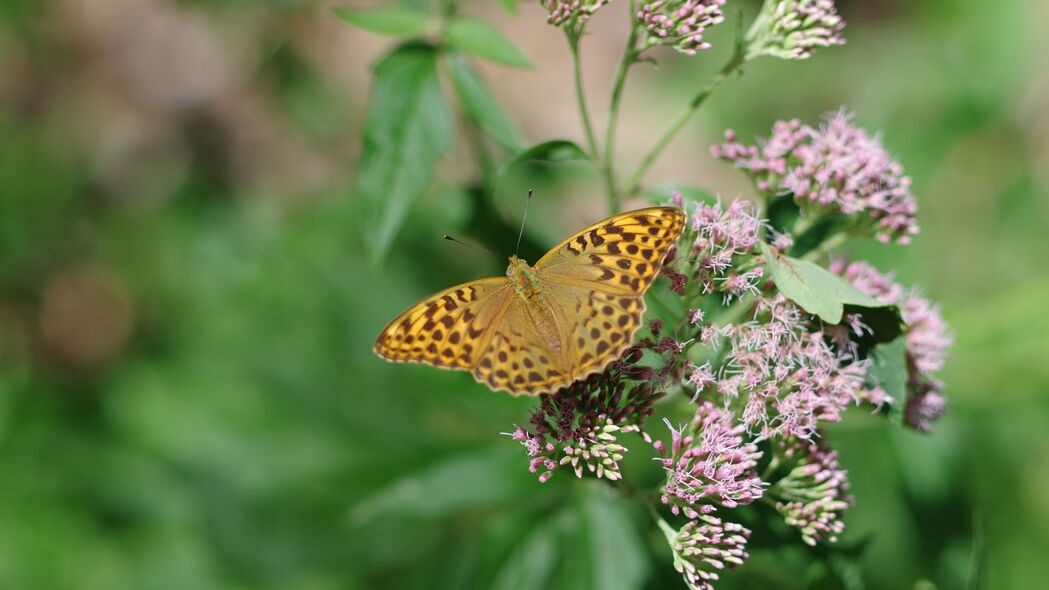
x: 543, y: 327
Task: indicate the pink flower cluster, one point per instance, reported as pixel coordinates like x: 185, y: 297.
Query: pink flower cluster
x: 571, y: 11
x: 927, y: 337
x: 679, y: 23
x: 783, y: 373
x: 811, y: 497
x: 837, y: 168
x: 579, y: 426
x: 709, y: 462
x: 720, y: 238
x: 792, y: 29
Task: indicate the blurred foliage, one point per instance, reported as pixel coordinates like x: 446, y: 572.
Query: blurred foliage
x: 187, y: 393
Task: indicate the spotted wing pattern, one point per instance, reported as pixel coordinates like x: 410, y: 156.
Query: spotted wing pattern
x: 447, y: 329
x: 589, y: 307
x: 621, y: 255
x: 596, y: 281
x: 525, y: 353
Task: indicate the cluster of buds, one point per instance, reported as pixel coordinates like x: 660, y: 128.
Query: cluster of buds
x: 571, y: 13
x: 835, y: 169
x: 705, y: 545
x: 579, y: 426
x: 793, y: 29
x: 679, y: 23
x: 811, y: 496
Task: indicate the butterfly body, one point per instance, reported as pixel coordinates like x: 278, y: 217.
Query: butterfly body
x: 543, y: 327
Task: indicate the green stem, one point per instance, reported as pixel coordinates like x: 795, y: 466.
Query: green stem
x: 683, y: 117
x: 577, y: 72
x: 628, y: 59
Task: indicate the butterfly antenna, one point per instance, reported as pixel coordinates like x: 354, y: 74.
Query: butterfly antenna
x: 470, y: 246
x: 524, y: 218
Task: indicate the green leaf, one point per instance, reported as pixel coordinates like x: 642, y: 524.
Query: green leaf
x: 481, y: 106
x: 557, y: 150
x: 814, y: 288
x: 663, y: 193
x: 406, y: 130
x: 388, y: 20
x: 888, y: 370
x: 531, y: 564
x: 509, y: 5
x: 616, y: 553
x: 467, y: 481
x: 478, y: 38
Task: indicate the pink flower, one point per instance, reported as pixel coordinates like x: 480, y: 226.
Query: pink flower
x: 679, y: 23
x: 927, y: 336
x: 811, y: 497
x: 837, y: 168
x: 788, y: 375
x: 709, y: 462
x: 792, y: 29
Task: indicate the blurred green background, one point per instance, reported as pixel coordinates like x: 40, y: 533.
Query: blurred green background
x: 187, y: 393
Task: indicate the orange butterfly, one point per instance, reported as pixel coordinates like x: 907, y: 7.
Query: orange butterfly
x: 541, y: 328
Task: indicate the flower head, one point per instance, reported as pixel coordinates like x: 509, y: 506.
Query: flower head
x: 835, y: 169
x: 705, y: 545
x: 580, y: 425
x: 784, y: 373
x: 793, y: 29
x: 679, y: 23
x: 571, y: 13
x: 811, y: 497
x: 927, y: 339
x: 709, y: 462
x: 722, y: 238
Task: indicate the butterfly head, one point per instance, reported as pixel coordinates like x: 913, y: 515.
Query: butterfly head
x: 523, y: 278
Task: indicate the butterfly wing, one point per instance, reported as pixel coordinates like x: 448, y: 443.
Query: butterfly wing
x: 448, y: 329
x: 595, y: 282
x: 622, y: 254
x: 521, y: 356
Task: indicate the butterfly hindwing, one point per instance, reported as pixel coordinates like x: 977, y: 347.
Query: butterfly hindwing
x: 519, y: 357
x: 448, y: 328
x: 622, y: 254
x: 597, y: 326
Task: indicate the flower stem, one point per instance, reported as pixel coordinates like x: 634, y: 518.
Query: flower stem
x: 573, y: 44
x: 683, y: 117
x: 628, y: 59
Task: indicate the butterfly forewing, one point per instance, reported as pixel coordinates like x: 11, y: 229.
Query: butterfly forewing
x: 596, y: 280
x: 622, y: 254
x: 447, y: 329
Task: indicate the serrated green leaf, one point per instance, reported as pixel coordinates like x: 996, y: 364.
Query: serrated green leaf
x: 663, y: 193
x: 813, y: 288
x: 481, y: 106
x: 388, y: 20
x: 888, y: 370
x: 406, y: 130
x: 478, y: 38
